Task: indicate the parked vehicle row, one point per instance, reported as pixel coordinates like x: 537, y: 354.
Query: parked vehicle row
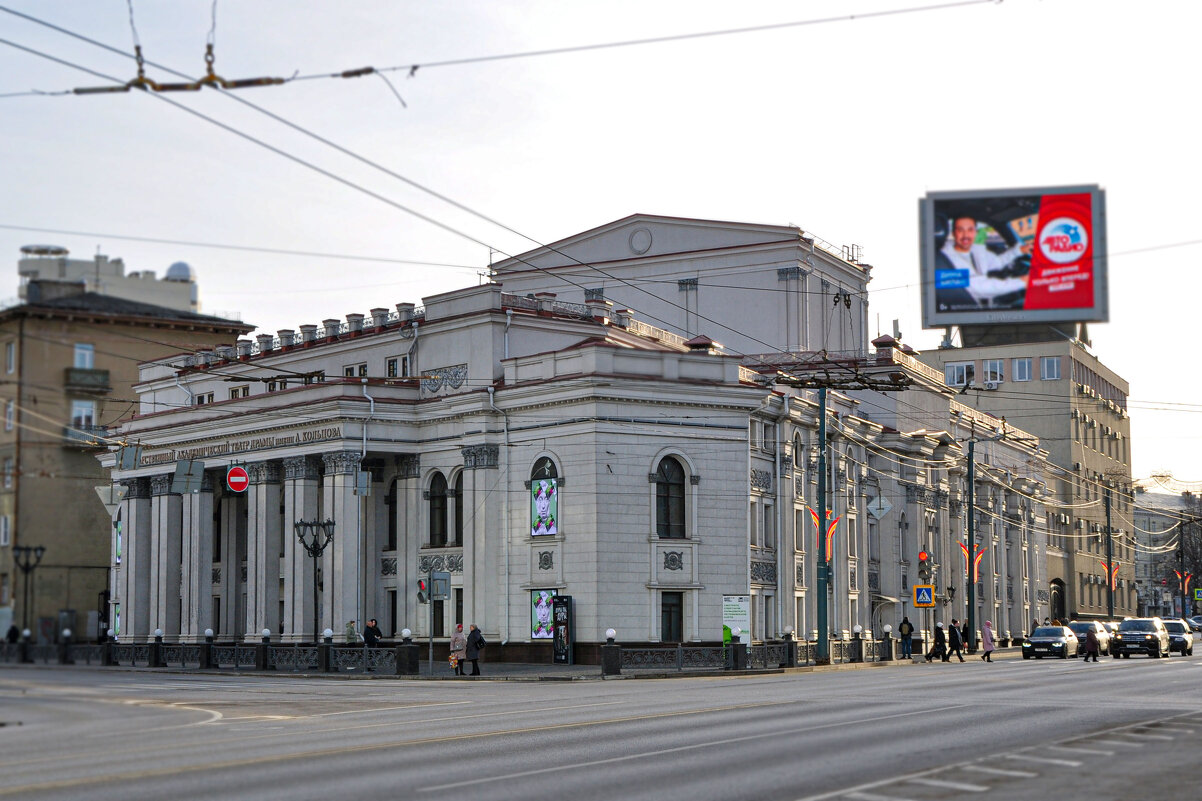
x: 1141, y: 635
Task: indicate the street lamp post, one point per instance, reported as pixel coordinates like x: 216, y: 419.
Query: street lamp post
x: 27, y: 558
x: 315, y: 536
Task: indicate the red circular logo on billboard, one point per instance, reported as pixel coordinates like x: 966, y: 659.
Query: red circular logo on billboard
x: 1064, y: 240
x: 237, y: 479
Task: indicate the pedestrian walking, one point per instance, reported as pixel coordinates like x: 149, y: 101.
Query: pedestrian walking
x: 906, y: 630
x: 352, y: 638
x: 964, y: 636
x: 475, y: 644
x: 14, y: 633
x: 458, y: 650
x: 987, y: 646
x: 955, y: 643
x: 1091, y: 645
x: 940, y: 646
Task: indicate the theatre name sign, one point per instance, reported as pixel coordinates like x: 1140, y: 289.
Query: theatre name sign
x: 231, y: 447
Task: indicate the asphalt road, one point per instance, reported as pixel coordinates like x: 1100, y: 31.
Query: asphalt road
x: 1009, y: 730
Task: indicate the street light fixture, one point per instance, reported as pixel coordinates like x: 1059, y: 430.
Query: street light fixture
x: 27, y: 558
x: 315, y: 536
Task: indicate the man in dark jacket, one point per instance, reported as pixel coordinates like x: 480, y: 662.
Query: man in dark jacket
x: 372, y: 634
x: 940, y: 646
x: 955, y: 643
x: 475, y: 644
x: 906, y: 632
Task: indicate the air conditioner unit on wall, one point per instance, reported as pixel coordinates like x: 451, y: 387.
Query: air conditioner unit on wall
x: 992, y: 385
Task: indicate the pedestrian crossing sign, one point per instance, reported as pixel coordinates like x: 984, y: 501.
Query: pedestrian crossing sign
x: 924, y: 596
x: 1197, y: 594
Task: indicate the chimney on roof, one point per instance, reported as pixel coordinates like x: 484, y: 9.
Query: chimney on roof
x: 379, y: 317
x: 600, y: 308
x: 308, y: 334
x: 287, y: 337
x: 332, y: 326
x: 354, y: 323
x: 266, y: 342
x: 545, y: 300
x: 621, y: 317
x: 243, y: 347
x: 405, y: 311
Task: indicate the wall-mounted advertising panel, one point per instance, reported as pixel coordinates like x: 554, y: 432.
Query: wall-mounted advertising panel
x: 1013, y: 256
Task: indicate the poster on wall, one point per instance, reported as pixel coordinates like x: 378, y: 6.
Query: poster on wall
x: 542, y: 625
x: 544, y: 507
x: 562, y: 613
x: 736, y: 614
x: 1014, y: 255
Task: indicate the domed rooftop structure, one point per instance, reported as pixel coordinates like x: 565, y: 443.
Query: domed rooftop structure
x: 182, y: 272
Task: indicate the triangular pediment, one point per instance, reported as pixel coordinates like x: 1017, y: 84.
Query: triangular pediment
x: 647, y: 236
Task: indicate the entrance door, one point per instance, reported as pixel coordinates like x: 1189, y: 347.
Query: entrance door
x: 671, y: 616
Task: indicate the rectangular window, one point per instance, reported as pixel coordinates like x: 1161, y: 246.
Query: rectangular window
x: 993, y: 369
x: 10, y: 357
x: 353, y: 370
x: 83, y: 414
x: 769, y: 526
x: 770, y: 437
x: 1022, y: 369
x: 239, y: 392
x: 10, y: 415
x: 755, y: 523
x: 439, y: 611
x: 272, y: 386
x: 390, y: 620
x: 4, y: 534
x: 5, y: 589
x: 957, y: 374
x: 8, y: 472
x: 85, y: 357
x: 391, y: 368
x: 671, y: 616
x: 1049, y: 368
x: 202, y: 399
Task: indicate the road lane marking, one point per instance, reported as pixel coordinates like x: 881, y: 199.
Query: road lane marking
x: 1117, y: 742
x: 422, y: 705
x: 1018, y: 774
x: 1075, y: 750
x: 1068, y: 763
x: 874, y: 797
x: 1150, y: 736
x: 968, y: 788
x: 676, y: 750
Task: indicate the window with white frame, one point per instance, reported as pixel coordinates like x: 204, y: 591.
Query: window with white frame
x: 10, y: 415
x: 1049, y: 368
x: 769, y: 526
x: 85, y: 357
x: 397, y: 367
x: 8, y: 472
x: 83, y: 414
x: 10, y: 357
x: 994, y: 369
x: 4, y: 530
x: 353, y: 370
x: 1021, y: 369
x: 239, y: 392
x: 957, y: 374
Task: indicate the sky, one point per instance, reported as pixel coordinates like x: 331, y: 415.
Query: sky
x: 837, y: 126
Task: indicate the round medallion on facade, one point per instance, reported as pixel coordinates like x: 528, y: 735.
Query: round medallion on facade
x: 640, y: 241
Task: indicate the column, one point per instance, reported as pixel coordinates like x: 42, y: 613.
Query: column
x: 196, y: 580
x: 136, y: 565
x: 165, y: 550
x: 263, y: 549
x: 300, y: 503
x: 342, y: 561
x: 409, y: 541
x: 231, y: 520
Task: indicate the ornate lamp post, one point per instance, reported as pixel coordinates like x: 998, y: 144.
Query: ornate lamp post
x: 315, y: 536
x: 27, y: 558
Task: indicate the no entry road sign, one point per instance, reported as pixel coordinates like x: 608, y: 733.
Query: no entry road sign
x: 237, y: 479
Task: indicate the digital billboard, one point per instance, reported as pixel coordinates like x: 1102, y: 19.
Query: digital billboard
x: 1013, y: 256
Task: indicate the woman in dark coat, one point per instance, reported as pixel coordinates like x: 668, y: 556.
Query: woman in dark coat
x: 1091, y: 645
x: 940, y: 646
x: 475, y: 644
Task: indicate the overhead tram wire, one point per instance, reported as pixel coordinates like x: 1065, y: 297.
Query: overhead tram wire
x: 386, y: 171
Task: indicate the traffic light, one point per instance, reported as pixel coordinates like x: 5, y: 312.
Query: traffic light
x: 423, y: 592
x: 1164, y: 582
x: 924, y: 565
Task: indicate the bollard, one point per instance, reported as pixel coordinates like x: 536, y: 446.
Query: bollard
x: 325, y: 661
x: 790, y: 648
x: 857, y: 644
x: 261, y: 652
x: 886, y: 652
x: 106, y: 649
x: 156, y: 650
x: 738, y: 653
x: 206, y: 651
x: 25, y: 649
x: 611, y: 655
x: 64, y: 649
x: 407, y: 660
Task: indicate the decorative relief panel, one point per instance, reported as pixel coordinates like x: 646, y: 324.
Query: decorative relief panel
x: 215, y: 576
x: 761, y: 480
x: 265, y: 472
x: 874, y: 581
x: 786, y: 466
x: 853, y: 578
x: 341, y: 462
x: 388, y: 566
x: 481, y: 456
x: 409, y: 465
x: 546, y: 560
x: 801, y: 576
x: 450, y: 563
x: 673, y: 560
x: 136, y: 488
x: 160, y: 485
x: 442, y: 377
x: 799, y: 485
x: 763, y: 572
x: 300, y: 468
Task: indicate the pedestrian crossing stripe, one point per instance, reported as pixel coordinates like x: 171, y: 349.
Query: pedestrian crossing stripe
x: 924, y: 595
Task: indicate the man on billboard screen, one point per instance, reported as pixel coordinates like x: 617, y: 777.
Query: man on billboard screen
x: 1013, y: 255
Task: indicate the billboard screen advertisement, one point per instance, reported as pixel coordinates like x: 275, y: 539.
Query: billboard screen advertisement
x: 544, y: 507
x: 1013, y: 256
x: 542, y: 624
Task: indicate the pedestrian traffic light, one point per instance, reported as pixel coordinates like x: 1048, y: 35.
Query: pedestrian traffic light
x: 924, y: 565
x: 423, y: 592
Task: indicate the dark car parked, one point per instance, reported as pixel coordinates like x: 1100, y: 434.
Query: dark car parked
x: 1141, y: 635
x: 1181, y: 639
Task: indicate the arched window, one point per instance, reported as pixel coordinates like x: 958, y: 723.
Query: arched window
x: 458, y: 540
x: 390, y: 508
x: 438, y: 511
x: 669, y: 499
x: 543, y: 468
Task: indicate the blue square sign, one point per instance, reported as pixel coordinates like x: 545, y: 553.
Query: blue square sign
x: 924, y: 596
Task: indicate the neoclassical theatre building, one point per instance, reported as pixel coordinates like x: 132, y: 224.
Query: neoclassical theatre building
x: 530, y: 448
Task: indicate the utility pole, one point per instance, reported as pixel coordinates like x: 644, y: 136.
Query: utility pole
x: 1109, y: 560
x: 895, y: 380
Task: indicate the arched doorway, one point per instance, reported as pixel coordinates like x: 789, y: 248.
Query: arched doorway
x: 1057, y: 601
